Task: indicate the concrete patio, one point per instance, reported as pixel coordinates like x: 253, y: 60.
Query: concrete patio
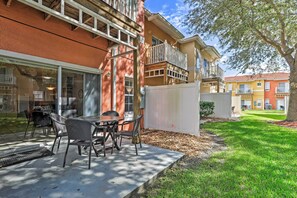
x: 115, y: 175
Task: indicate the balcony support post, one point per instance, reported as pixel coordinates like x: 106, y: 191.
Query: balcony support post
x: 218, y: 85
x: 136, y: 78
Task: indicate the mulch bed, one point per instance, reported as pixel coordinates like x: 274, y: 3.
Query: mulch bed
x: 190, y: 145
x: 287, y: 124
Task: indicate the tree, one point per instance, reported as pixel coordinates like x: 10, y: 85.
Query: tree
x: 255, y: 32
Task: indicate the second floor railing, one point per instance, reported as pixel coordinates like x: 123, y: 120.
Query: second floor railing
x: 7, y: 79
x: 213, y: 71
x: 126, y: 7
x: 244, y: 91
x: 165, y: 52
x: 282, y: 90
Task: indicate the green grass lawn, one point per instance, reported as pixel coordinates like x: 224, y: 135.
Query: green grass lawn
x: 13, y: 125
x: 261, y: 161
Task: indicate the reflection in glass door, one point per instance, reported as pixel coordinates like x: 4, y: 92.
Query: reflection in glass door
x: 92, y: 95
x: 72, y: 93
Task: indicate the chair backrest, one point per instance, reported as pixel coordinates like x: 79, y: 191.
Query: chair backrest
x: 40, y: 119
x: 136, y: 125
x: 58, y: 123
x: 110, y: 113
x: 78, y: 129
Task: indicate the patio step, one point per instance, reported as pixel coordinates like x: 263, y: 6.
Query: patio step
x: 20, y: 149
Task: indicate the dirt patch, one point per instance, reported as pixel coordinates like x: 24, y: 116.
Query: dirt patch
x: 195, y: 148
x: 287, y: 124
x: 210, y: 119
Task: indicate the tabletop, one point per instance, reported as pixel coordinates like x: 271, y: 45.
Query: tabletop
x: 101, y: 118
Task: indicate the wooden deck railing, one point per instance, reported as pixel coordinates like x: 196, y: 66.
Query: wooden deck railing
x: 213, y: 71
x: 165, y: 52
x: 7, y: 79
x: 126, y: 7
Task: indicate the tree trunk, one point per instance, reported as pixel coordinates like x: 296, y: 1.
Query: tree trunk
x: 292, y: 109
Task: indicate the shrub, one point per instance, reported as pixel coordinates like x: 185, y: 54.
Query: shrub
x: 206, y: 108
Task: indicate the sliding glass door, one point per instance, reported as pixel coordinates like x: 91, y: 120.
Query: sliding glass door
x: 91, y: 104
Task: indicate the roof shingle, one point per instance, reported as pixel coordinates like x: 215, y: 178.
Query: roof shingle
x: 266, y: 76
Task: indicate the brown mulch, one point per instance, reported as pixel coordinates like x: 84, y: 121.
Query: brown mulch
x: 190, y: 145
x: 289, y: 124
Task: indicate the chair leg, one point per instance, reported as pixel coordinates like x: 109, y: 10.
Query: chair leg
x: 54, y: 145
x: 79, y: 149
x: 95, y: 150
x: 90, y: 152
x: 66, y: 153
x: 140, y: 141
x: 136, y: 149
x: 121, y: 141
x: 32, y: 133
x: 59, y: 143
x: 26, y: 129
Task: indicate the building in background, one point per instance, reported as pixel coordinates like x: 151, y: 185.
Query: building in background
x: 173, y: 59
x: 261, y: 91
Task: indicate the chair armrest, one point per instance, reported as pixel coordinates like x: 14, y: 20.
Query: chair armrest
x: 126, y: 122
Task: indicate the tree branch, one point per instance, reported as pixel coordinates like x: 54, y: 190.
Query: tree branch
x: 282, y: 23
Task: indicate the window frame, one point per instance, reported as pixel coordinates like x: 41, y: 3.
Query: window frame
x: 131, y: 94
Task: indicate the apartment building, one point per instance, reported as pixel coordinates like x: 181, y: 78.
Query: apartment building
x: 74, y: 57
x: 173, y: 59
x: 261, y: 91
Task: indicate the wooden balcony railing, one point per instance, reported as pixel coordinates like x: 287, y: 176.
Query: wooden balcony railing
x: 213, y: 71
x: 126, y: 7
x: 165, y: 52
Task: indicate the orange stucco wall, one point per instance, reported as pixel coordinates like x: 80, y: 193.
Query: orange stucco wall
x: 24, y: 30
x: 153, y: 30
x: 271, y: 93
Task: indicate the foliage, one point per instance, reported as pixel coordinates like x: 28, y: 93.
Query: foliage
x: 260, y: 162
x: 256, y: 32
x: 206, y: 108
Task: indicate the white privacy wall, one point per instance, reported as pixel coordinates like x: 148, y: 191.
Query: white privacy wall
x: 173, y: 108
x: 236, y: 102
x: 222, y: 102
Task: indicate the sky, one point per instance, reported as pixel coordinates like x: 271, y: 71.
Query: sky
x: 175, y: 11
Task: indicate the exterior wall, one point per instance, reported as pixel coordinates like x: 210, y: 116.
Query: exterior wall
x: 24, y: 30
x: 190, y: 50
x: 152, y: 30
x: 270, y: 94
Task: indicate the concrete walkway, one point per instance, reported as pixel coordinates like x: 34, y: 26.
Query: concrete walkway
x: 115, y: 175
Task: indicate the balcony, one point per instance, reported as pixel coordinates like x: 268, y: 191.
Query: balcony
x: 166, y: 53
x: 244, y: 91
x: 126, y: 7
x: 282, y: 91
x: 213, y: 71
x: 7, y: 79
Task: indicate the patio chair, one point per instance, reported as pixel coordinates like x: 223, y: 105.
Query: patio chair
x: 29, y: 120
x: 134, y: 134
x: 59, y: 128
x: 80, y: 133
x: 41, y: 121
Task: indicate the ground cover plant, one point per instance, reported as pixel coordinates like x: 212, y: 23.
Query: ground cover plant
x: 260, y: 162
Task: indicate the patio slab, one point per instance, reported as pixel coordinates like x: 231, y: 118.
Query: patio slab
x: 115, y: 175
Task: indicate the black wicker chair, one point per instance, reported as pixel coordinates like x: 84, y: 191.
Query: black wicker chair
x: 133, y: 134
x: 41, y: 120
x: 59, y: 128
x: 80, y: 133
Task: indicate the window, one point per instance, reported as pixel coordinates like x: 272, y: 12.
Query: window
x: 267, y: 86
x: 259, y: 84
x: 128, y: 94
x: 156, y: 41
x: 198, y: 60
x: 259, y: 103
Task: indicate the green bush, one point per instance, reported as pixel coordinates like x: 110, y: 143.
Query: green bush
x: 206, y: 108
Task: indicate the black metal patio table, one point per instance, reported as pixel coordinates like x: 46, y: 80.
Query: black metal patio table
x: 107, y: 122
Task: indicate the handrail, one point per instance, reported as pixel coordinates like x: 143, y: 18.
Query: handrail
x: 165, y: 52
